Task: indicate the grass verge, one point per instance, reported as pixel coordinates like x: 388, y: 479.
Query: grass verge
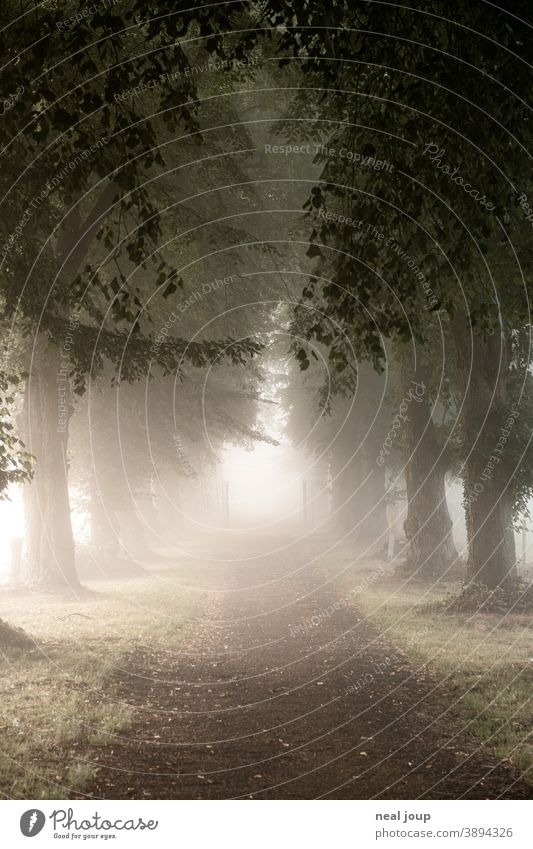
x: 54, y: 704
x: 486, y: 658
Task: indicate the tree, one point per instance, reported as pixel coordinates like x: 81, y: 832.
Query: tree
x: 408, y: 168
x: 425, y: 461
x: 89, y: 188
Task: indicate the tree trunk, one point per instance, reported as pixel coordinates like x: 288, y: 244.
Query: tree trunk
x: 488, y: 492
x: 428, y: 527
x: 105, y: 527
x: 489, y: 526
x: 342, y: 477
x: 358, y: 482
x: 50, y: 541
x: 169, y: 504
x: 359, y: 498
x: 50, y: 557
x: 132, y: 539
x: 370, y: 504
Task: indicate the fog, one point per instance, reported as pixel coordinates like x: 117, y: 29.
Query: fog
x: 262, y: 489
x: 266, y: 401
x: 267, y: 489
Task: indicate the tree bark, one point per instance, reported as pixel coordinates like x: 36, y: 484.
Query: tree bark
x: 50, y: 541
x: 132, y: 537
x: 50, y: 559
x: 169, y: 504
x: 358, y: 482
x: 359, y: 498
x: 50, y: 549
x: 489, y: 526
x: 488, y: 492
x: 105, y: 527
x: 428, y: 527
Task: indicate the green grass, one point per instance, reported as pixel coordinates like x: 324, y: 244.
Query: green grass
x: 486, y: 659
x: 53, y: 704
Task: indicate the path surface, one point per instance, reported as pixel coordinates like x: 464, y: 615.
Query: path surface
x: 256, y: 707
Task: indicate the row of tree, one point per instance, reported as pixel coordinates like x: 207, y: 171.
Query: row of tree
x: 132, y: 181
x: 112, y: 270
x: 421, y: 250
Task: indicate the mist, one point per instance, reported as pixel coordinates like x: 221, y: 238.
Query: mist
x: 266, y: 471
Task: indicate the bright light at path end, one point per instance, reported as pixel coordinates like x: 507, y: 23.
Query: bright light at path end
x: 261, y: 487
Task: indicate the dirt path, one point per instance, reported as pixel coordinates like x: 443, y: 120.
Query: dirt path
x: 262, y: 704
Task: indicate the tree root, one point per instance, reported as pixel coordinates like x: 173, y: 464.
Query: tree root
x: 477, y: 598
